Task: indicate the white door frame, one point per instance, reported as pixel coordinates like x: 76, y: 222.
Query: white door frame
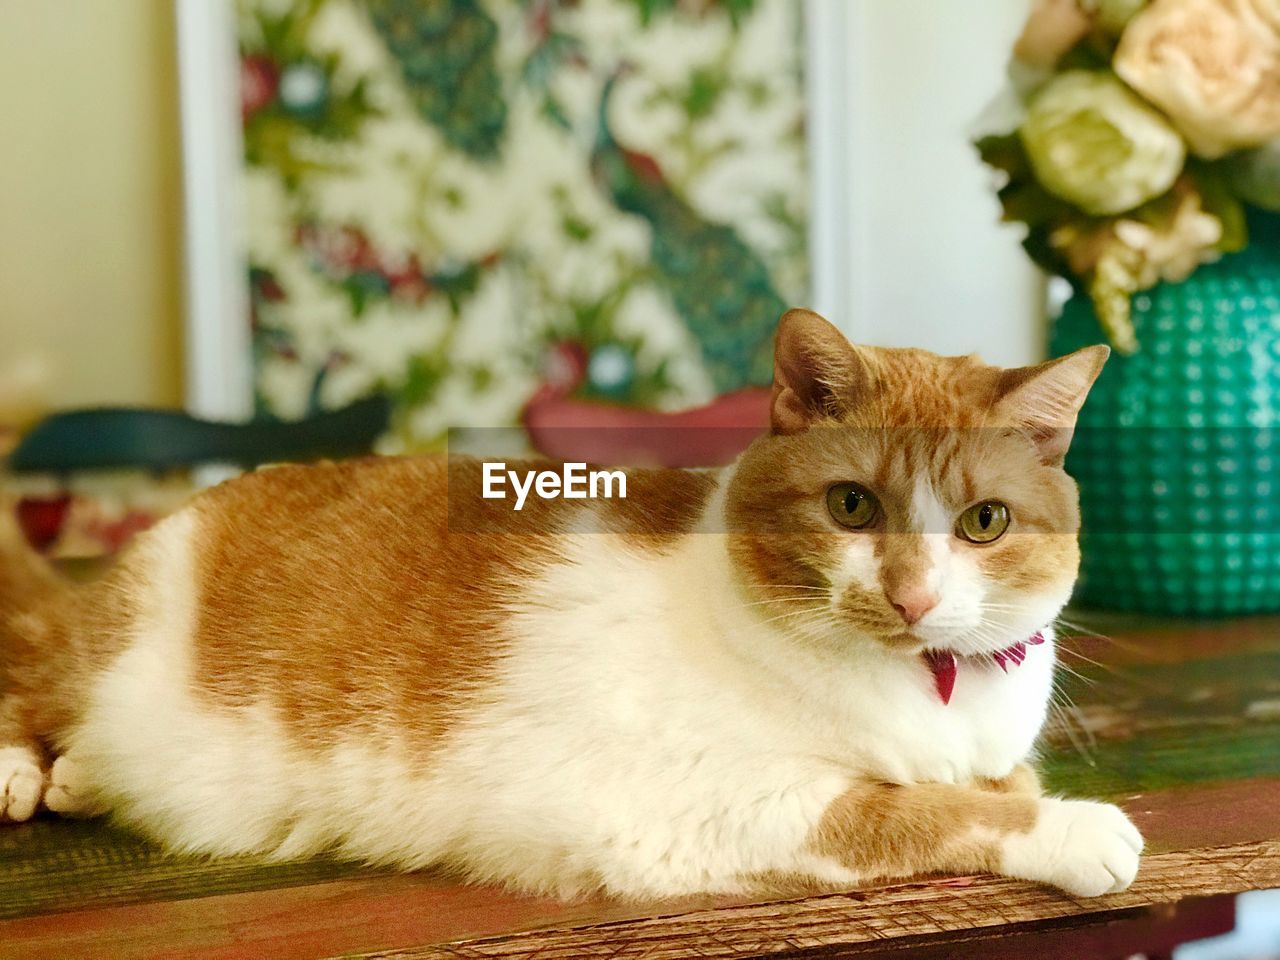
x: 831, y: 90
x: 219, y: 362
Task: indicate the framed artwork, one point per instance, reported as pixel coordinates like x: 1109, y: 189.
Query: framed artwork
x: 459, y: 202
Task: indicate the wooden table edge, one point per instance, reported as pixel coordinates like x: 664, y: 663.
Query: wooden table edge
x: 277, y: 924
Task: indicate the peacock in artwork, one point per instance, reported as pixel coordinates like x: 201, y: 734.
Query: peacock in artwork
x: 720, y: 286
x: 447, y: 53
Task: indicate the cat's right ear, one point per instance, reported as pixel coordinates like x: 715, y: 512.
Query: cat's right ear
x: 817, y: 373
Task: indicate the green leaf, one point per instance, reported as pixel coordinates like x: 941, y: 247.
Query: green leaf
x: 739, y: 10
x: 1028, y: 202
x: 1217, y: 198
x: 576, y: 229
x: 1004, y: 152
x: 647, y: 9
x: 1044, y: 254
x: 359, y: 299
x: 554, y: 111
x: 1094, y: 52
x: 1254, y: 175
x: 706, y: 86
x: 423, y: 378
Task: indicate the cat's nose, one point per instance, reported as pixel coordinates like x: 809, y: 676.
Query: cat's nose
x: 914, y: 603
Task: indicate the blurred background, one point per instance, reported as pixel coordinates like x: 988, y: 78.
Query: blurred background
x: 243, y: 231
x: 91, y: 203
x: 542, y: 214
x: 352, y: 178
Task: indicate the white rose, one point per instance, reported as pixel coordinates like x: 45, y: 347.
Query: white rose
x: 1212, y: 65
x: 1096, y: 144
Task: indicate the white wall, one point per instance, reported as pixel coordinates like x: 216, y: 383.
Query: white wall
x: 928, y: 264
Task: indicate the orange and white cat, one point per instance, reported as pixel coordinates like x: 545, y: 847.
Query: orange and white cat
x: 824, y: 665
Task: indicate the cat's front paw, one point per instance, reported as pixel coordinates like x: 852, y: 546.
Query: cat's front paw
x: 1085, y: 848
x: 69, y: 792
x: 21, y: 782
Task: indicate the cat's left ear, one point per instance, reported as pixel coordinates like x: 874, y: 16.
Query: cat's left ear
x: 1045, y: 400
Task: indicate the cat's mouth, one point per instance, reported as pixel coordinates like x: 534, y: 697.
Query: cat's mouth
x: 946, y: 664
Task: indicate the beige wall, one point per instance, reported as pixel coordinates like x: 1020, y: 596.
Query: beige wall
x: 90, y: 201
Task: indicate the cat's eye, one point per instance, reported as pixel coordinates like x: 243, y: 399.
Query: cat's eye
x: 983, y: 522
x: 852, y: 505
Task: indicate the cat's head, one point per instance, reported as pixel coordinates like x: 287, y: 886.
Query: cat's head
x: 907, y: 498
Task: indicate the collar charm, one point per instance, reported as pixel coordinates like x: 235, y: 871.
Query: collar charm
x: 943, y: 664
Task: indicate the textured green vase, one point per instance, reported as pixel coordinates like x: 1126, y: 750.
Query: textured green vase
x: 1177, y: 451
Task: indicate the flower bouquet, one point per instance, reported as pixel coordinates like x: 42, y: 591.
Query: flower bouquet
x: 1143, y: 131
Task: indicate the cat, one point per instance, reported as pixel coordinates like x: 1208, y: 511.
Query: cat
x: 826, y: 665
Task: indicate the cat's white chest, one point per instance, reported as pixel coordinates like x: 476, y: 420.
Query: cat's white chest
x: 875, y: 712
x: 897, y: 728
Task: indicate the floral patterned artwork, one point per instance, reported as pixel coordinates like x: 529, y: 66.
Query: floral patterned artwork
x: 461, y: 201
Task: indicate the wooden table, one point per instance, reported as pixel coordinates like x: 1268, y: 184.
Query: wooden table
x: 1178, y: 722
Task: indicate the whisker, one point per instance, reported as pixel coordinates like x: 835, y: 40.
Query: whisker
x: 1066, y: 712
x: 1089, y: 660
x: 1110, y: 668
x: 1090, y: 681
x: 1081, y: 630
x: 813, y: 614
x: 758, y: 603
x: 1072, y: 625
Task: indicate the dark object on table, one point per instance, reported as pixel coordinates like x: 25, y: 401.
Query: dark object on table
x: 167, y: 439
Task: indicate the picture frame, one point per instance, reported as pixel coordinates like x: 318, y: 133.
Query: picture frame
x: 924, y: 287
x: 218, y: 349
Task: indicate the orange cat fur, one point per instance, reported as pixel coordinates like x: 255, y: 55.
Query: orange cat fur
x: 726, y: 680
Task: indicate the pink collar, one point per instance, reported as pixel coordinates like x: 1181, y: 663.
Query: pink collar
x: 942, y: 663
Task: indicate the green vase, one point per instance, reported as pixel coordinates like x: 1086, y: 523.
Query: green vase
x: 1177, y: 451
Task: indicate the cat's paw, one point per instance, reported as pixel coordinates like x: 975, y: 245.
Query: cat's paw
x: 1085, y: 848
x: 21, y: 783
x: 69, y: 792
